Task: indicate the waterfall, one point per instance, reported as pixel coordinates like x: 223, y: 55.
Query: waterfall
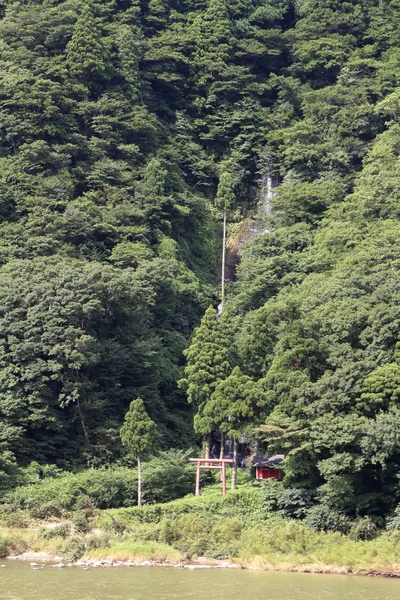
x: 268, y: 185
x: 258, y: 224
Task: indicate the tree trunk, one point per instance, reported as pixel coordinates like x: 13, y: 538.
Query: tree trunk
x: 139, y: 482
x: 222, y: 450
x: 223, y: 265
x: 207, y: 447
x: 82, y: 420
x: 234, y: 466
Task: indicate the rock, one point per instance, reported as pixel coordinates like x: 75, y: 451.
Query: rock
x: 60, y: 565
x: 33, y: 564
x: 3, y: 566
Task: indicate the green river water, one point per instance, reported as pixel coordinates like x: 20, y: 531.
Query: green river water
x: 18, y: 581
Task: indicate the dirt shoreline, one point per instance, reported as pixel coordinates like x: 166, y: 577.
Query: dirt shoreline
x: 35, y: 558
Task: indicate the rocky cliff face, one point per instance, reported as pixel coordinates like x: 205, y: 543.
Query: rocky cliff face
x: 252, y: 226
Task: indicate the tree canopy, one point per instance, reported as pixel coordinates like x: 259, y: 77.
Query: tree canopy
x: 125, y: 129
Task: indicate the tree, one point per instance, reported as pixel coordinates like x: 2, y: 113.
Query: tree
x: 88, y: 57
x: 232, y: 407
x: 130, y: 50
x: 208, y: 361
x: 138, y: 435
x: 214, y: 40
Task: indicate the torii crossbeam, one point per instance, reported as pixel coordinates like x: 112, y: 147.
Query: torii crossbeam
x: 211, y: 463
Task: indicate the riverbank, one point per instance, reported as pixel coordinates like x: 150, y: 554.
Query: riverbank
x: 39, y: 559
x: 210, y: 531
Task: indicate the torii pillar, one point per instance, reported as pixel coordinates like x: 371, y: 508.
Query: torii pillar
x: 218, y: 464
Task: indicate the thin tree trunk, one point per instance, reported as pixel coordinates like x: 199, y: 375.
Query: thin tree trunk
x: 139, y: 482
x: 222, y: 450
x: 234, y: 466
x: 223, y: 264
x: 82, y: 420
x: 207, y: 447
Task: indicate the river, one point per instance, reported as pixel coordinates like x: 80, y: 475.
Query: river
x: 18, y: 581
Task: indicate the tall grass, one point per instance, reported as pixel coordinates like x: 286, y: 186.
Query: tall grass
x: 136, y: 551
x: 236, y: 527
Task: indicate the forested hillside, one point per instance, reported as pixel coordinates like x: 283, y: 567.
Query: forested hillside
x: 127, y: 129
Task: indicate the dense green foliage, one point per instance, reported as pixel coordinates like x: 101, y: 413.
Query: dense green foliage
x: 138, y: 433
x: 127, y: 128
x: 315, y: 309
x: 236, y: 527
x: 167, y: 477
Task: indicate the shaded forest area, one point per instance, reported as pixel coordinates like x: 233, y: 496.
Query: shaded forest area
x: 127, y: 128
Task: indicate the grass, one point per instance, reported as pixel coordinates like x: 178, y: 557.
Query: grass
x: 136, y: 551
x: 14, y: 542
x: 294, y: 546
x: 236, y: 527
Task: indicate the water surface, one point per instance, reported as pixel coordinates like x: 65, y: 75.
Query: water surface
x: 18, y: 581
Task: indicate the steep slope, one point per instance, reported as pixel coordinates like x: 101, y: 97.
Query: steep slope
x: 316, y: 304
x: 115, y: 117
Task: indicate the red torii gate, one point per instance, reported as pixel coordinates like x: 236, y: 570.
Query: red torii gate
x: 211, y: 463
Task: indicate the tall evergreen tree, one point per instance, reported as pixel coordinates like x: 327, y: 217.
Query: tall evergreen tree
x: 213, y: 34
x: 232, y: 408
x: 138, y: 435
x: 87, y: 55
x: 209, y: 360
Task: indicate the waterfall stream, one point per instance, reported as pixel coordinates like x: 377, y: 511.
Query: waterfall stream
x: 256, y: 225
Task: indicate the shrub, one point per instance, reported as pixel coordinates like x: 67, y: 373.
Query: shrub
x: 165, y: 478
x: 73, y: 549
x: 294, y: 502
x: 62, y: 530
x: 290, y: 502
x: 189, y: 534
x: 393, y: 522
x: 81, y: 520
x: 9, y: 517
x: 12, y: 545
x: 272, y: 492
x: 363, y: 529
x: 322, y: 518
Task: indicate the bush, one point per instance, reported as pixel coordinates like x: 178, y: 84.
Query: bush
x: 56, y: 496
x: 272, y: 492
x: 393, y: 522
x: 9, y: 517
x: 12, y: 545
x: 246, y: 503
x: 189, y: 534
x: 294, y: 502
x: 165, y: 478
x: 81, y: 520
x: 322, y: 518
x: 363, y: 529
x: 73, y: 549
x: 62, y: 530
x: 290, y: 502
